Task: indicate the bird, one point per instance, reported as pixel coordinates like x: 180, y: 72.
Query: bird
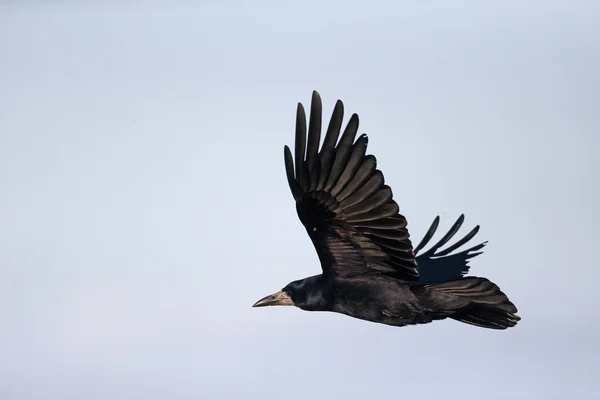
x: 370, y: 269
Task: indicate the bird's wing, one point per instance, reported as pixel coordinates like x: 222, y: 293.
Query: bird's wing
x: 343, y: 202
x: 437, y: 265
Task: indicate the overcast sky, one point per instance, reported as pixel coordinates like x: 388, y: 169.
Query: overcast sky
x: 144, y: 206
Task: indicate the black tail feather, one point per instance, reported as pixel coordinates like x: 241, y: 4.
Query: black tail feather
x: 489, y: 307
x: 487, y: 317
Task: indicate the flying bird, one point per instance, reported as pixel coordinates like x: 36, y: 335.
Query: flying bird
x: 371, y: 271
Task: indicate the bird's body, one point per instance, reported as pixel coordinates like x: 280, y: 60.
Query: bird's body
x: 370, y: 269
x: 375, y: 298
x: 378, y: 299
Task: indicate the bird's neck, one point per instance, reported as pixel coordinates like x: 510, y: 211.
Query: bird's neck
x: 319, y: 294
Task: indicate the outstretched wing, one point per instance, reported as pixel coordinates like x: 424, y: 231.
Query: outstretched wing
x: 436, y: 265
x: 343, y: 202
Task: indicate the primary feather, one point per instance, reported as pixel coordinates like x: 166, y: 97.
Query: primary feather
x: 343, y: 202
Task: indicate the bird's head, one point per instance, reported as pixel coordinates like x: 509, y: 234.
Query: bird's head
x: 307, y: 294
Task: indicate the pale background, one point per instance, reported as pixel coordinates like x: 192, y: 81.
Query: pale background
x: 144, y: 206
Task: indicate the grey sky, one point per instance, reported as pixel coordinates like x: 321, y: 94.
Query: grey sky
x: 144, y: 204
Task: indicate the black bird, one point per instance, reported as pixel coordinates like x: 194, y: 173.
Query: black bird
x: 370, y: 269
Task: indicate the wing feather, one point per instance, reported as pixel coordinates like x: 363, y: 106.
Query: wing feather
x: 373, y: 184
x: 314, y: 137
x: 380, y: 198
x: 342, y: 152
x: 343, y: 202
x: 350, y: 214
x: 301, y: 168
x: 354, y: 161
x: 365, y: 171
x: 440, y: 266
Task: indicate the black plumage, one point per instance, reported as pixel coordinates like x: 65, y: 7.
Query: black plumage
x: 370, y: 269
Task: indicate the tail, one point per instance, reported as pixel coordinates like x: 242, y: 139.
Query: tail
x: 487, y: 307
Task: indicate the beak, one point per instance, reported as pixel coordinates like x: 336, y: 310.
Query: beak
x: 278, y: 299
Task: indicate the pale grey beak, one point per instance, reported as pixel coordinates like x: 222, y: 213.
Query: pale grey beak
x: 280, y: 298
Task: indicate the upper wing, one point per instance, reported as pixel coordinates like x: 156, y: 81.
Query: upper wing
x: 343, y: 202
x: 441, y: 266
